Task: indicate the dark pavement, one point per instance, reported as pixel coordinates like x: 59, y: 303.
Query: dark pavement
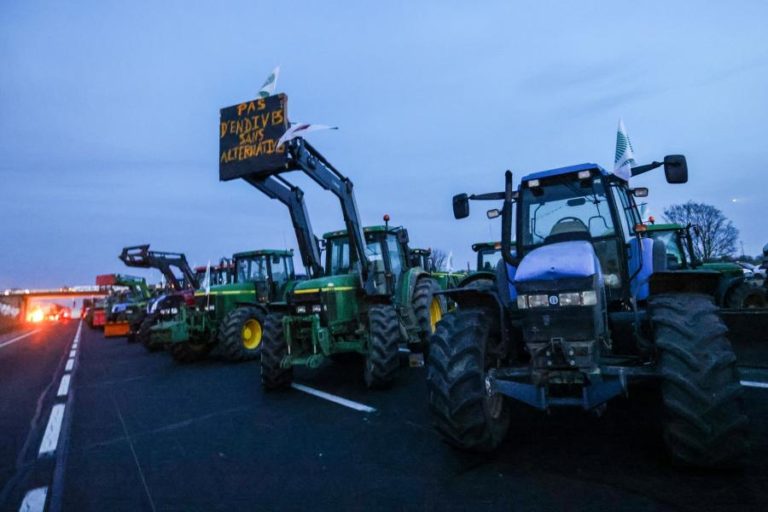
x: 30, y: 369
x: 147, y: 433
x: 151, y: 434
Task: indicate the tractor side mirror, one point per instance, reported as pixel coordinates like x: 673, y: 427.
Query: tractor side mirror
x: 676, y: 169
x: 493, y: 213
x: 460, y: 206
x: 640, y: 192
x: 402, y: 236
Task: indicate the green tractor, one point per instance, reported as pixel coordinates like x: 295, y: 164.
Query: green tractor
x: 228, y: 316
x: 733, y: 291
x: 126, y: 303
x: 585, y: 308
x: 368, y: 300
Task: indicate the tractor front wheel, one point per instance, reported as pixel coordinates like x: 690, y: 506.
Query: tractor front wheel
x: 463, y: 411
x: 143, y: 335
x: 274, y: 349
x: 383, y: 359
x: 746, y: 296
x: 188, y: 352
x: 704, y: 422
x: 429, y: 310
x: 241, y: 334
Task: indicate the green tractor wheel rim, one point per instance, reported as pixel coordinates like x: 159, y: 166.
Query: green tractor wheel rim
x: 435, y: 313
x: 251, y: 333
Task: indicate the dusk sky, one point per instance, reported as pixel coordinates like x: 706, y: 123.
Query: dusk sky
x: 109, y: 115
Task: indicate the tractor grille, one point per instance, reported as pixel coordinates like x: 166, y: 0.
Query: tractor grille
x: 568, y: 323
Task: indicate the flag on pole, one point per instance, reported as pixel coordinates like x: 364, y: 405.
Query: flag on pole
x: 625, y: 154
x: 207, y: 279
x: 449, y: 259
x: 268, y: 89
x: 300, y: 129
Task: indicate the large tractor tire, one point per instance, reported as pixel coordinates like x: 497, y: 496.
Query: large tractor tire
x: 143, y: 335
x: 273, y: 351
x: 241, y: 333
x: 704, y: 423
x: 188, y: 352
x: 383, y: 359
x: 463, y: 412
x: 428, y: 309
x: 746, y: 296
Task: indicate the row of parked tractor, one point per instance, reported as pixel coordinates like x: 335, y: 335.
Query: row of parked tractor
x: 577, y: 301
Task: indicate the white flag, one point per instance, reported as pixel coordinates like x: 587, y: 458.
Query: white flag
x: 268, y: 89
x: 449, y: 265
x: 625, y: 154
x: 207, y: 279
x: 299, y: 129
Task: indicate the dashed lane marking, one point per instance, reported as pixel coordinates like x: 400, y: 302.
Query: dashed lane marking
x: 52, y: 431
x: 73, y: 353
x: 18, y: 338
x: 754, y: 384
x: 333, y: 398
x: 70, y: 364
x: 64, y: 386
x: 34, y: 500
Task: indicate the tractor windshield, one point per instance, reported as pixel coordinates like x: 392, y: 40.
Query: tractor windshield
x: 251, y: 269
x: 570, y: 209
x: 487, y: 259
x: 674, y: 249
x: 282, y: 268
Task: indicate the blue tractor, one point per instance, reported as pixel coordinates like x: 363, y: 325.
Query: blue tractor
x: 581, y: 306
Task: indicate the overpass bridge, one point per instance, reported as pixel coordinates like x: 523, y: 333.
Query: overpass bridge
x: 15, y: 302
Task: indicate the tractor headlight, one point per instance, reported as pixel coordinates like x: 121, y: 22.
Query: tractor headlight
x: 302, y: 310
x: 174, y: 311
x: 316, y: 308
x: 539, y: 300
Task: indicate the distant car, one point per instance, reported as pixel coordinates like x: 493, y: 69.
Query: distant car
x: 752, y: 271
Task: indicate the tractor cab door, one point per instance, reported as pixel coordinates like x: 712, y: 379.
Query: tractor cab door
x: 281, y: 272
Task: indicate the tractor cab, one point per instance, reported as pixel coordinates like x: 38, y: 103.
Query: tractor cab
x: 386, y: 248
x: 269, y: 269
x: 422, y: 258
x: 586, y: 207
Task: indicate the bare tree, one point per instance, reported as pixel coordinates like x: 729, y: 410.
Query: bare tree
x: 439, y: 259
x: 714, y: 236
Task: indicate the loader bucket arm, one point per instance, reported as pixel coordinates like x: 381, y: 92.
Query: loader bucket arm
x: 293, y: 197
x: 140, y: 256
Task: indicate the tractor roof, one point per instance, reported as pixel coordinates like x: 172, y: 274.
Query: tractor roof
x: 663, y: 227
x: 366, y: 230
x: 564, y: 170
x: 264, y: 252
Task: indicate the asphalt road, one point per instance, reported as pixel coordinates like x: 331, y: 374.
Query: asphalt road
x: 31, y: 363
x: 146, y: 433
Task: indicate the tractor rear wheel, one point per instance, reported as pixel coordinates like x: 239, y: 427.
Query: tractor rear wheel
x: 143, y: 335
x: 240, y: 334
x: 188, y: 352
x: 463, y: 412
x: 746, y: 296
x: 383, y: 359
x: 704, y: 422
x: 428, y: 308
x: 274, y: 349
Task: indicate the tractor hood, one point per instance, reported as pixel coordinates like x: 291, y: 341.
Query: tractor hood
x: 345, y: 282
x: 573, y: 262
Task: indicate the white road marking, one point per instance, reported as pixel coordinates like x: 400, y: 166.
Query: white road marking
x: 64, y: 386
x: 34, y: 500
x: 333, y: 398
x: 754, y: 384
x: 52, y: 431
x: 17, y: 338
x: 70, y: 365
x: 72, y: 352
x: 404, y: 350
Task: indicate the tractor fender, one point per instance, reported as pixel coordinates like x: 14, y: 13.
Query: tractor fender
x: 487, y: 299
x: 698, y: 281
x: 250, y: 304
x: 482, y: 275
x: 727, y: 285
